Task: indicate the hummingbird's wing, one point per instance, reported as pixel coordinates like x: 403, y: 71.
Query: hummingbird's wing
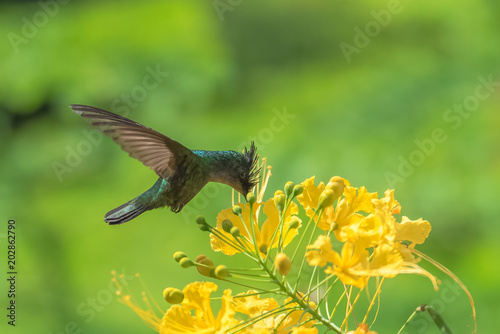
x: 158, y: 152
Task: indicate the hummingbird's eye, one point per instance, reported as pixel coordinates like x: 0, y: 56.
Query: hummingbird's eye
x: 242, y: 175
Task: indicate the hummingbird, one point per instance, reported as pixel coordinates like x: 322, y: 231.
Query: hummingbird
x: 182, y: 172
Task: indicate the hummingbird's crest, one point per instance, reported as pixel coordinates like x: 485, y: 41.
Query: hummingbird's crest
x: 252, y: 158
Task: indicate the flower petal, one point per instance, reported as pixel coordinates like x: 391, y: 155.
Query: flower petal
x: 310, y: 195
x: 320, y: 252
x: 253, y: 305
x: 219, y: 245
x: 197, y: 297
x: 415, y: 231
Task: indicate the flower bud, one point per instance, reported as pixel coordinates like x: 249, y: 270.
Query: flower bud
x: 336, y: 184
x: 167, y: 291
x: 263, y: 248
x: 279, y: 200
x: 227, y: 225
x: 251, y: 198
x: 200, y: 220
x: 326, y: 198
x: 289, y: 188
x: 179, y: 255
x: 294, y: 222
x: 200, y: 258
x: 221, y: 272
x: 282, y: 263
x: 237, y: 210
x: 297, y: 190
x: 173, y: 296
x: 204, y: 228
x: 185, y: 262
x: 235, y: 231
x: 207, y: 266
x: 202, y: 223
x: 334, y: 226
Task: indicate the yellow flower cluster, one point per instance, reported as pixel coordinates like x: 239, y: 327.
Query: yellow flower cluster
x: 355, y: 235
x: 194, y: 314
x: 372, y: 242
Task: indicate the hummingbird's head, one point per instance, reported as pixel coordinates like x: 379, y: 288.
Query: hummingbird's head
x: 248, y: 172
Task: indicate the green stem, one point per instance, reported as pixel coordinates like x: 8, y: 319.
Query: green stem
x: 302, y: 237
x: 246, y: 274
x: 254, y: 237
x: 281, y: 241
x: 304, y: 258
x: 246, y: 286
x: 256, y: 319
x: 252, y: 279
x: 303, y: 305
x: 327, y: 291
x: 276, y: 291
x: 219, y: 235
x: 337, y: 304
x: 408, y: 321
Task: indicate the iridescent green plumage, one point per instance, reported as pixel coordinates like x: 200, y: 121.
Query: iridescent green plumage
x: 182, y: 172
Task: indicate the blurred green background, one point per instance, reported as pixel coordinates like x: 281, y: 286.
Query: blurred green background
x: 384, y: 93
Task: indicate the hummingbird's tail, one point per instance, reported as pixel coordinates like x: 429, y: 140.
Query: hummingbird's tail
x: 126, y: 212
x: 133, y: 208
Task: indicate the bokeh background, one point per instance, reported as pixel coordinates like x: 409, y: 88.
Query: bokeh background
x: 356, y: 89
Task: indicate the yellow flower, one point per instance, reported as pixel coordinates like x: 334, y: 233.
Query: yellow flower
x: 386, y: 261
x: 263, y: 234
x: 346, y: 211
x: 180, y: 318
x: 193, y: 315
x: 372, y: 243
x: 363, y: 231
x: 346, y: 266
x: 320, y: 252
x: 309, y: 199
x: 352, y: 266
x: 367, y: 230
x: 362, y: 329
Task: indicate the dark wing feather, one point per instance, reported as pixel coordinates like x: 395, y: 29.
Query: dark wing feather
x: 153, y: 149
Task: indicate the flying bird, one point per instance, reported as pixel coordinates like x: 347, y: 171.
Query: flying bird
x: 182, y: 172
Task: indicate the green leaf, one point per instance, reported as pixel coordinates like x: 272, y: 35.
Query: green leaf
x: 438, y: 319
